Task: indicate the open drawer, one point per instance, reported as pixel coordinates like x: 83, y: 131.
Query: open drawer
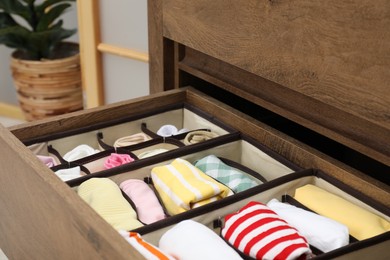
x: 304, y: 83
x: 38, y: 202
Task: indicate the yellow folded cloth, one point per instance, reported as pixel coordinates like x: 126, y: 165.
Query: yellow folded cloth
x: 362, y: 223
x: 182, y: 186
x: 106, y: 198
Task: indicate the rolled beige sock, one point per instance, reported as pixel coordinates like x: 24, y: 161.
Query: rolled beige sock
x: 195, y: 137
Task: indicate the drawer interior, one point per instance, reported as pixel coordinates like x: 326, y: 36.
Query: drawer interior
x: 243, y: 140
x: 280, y: 189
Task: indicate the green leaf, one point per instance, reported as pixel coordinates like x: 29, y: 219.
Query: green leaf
x: 49, y: 17
x: 48, y: 3
x: 35, y: 44
x: 17, y: 8
x: 14, y: 37
x: 47, y: 40
x: 6, y: 20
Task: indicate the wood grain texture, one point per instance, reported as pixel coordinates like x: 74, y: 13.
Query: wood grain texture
x: 42, y: 218
x: 293, y: 150
x: 333, y: 53
x: 97, y: 115
x: 348, y: 129
x: 156, y: 69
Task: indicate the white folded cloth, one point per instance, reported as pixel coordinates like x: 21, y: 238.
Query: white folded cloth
x: 79, y: 152
x: 189, y: 240
x: 321, y: 232
x: 69, y: 174
x: 169, y: 130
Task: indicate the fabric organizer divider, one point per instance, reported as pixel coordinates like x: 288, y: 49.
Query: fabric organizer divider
x: 183, y: 115
x: 282, y: 188
x: 231, y: 149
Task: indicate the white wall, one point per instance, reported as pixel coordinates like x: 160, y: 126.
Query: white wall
x: 7, y: 91
x: 123, y: 23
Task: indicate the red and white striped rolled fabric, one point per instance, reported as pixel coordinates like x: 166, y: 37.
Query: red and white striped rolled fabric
x: 259, y: 232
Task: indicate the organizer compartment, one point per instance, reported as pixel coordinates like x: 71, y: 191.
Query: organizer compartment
x: 212, y: 215
x: 185, y: 117
x: 241, y: 151
x: 243, y: 154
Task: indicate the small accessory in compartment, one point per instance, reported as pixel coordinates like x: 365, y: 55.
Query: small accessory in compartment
x: 187, y: 136
x: 46, y: 154
x: 117, y: 159
x: 49, y: 161
x: 79, y: 152
x: 169, y: 130
x: 107, y: 159
x: 67, y: 172
x: 147, y: 148
x: 131, y: 140
x: 199, y: 136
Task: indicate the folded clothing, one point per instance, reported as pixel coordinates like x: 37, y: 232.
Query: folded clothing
x: 105, y: 197
x: 182, y: 186
x: 362, y: 224
x: 148, y: 207
x: 69, y: 174
x: 235, y: 179
x: 191, y: 240
x: 47, y: 160
x: 169, y: 130
x: 321, y: 232
x: 259, y: 232
x: 146, y: 249
x: 151, y: 153
x: 79, y: 152
x: 115, y: 160
x: 131, y: 140
x: 195, y: 137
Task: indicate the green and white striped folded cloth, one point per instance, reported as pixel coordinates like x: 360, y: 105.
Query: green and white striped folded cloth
x: 233, y: 178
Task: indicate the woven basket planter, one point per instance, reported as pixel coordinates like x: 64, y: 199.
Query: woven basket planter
x: 48, y: 87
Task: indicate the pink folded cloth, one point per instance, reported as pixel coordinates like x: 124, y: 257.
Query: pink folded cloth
x: 148, y: 206
x: 48, y: 160
x: 116, y: 159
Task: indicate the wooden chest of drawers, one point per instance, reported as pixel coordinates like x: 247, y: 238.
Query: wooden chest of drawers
x: 307, y: 80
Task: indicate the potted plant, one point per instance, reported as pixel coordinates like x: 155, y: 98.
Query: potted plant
x: 45, y: 68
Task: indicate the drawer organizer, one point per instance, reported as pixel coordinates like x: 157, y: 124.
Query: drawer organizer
x: 289, y: 94
x: 284, y: 189
x: 225, y: 143
x: 271, y: 177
